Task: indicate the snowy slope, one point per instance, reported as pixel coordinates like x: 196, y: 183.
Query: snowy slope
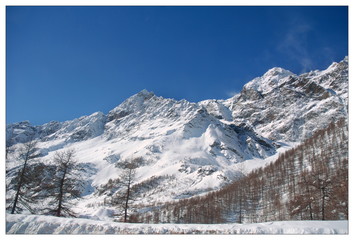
x: 190, y: 148
x: 34, y: 224
x: 192, y: 151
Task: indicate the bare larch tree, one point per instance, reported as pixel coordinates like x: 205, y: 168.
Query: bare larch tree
x: 66, y: 184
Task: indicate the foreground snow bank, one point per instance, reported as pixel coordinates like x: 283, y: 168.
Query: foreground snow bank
x: 34, y: 224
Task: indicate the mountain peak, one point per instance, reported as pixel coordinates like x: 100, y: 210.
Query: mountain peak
x: 270, y: 80
x: 141, y: 96
x: 145, y: 93
x: 137, y: 99
x: 277, y: 71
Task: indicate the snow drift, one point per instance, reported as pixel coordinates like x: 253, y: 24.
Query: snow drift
x: 34, y: 224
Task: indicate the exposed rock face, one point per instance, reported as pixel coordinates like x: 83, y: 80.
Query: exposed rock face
x: 285, y: 107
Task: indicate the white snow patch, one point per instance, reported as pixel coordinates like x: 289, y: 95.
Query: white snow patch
x: 35, y: 224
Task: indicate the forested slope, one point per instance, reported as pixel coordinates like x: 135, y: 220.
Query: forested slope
x: 308, y: 182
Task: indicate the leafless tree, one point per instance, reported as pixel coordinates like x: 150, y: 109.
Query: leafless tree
x: 125, y: 196
x: 24, y: 176
x: 66, y: 184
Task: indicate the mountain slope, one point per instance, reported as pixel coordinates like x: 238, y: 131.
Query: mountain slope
x: 186, y: 148
x: 308, y: 182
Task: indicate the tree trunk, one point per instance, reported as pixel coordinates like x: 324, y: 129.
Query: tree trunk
x: 20, y: 182
x: 61, y: 194
x: 127, y: 197
x: 323, y: 202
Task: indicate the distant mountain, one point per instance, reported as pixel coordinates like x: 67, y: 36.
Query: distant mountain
x: 282, y: 106
x: 190, y: 148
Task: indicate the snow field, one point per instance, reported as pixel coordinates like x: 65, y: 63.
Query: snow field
x: 36, y: 224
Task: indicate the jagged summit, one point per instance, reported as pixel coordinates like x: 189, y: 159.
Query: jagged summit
x: 133, y: 104
x: 277, y: 71
x: 273, y: 78
x: 145, y: 94
x: 138, y: 98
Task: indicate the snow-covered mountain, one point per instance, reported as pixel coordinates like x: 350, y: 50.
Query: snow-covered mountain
x: 191, y: 148
x: 282, y: 106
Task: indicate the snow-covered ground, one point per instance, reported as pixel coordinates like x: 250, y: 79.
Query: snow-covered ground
x: 35, y: 224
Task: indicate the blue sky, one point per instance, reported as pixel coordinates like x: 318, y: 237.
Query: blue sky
x: 65, y: 62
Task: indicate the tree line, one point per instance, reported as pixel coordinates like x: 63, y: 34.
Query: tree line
x: 308, y: 182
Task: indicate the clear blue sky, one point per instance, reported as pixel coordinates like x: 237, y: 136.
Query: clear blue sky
x: 65, y: 62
